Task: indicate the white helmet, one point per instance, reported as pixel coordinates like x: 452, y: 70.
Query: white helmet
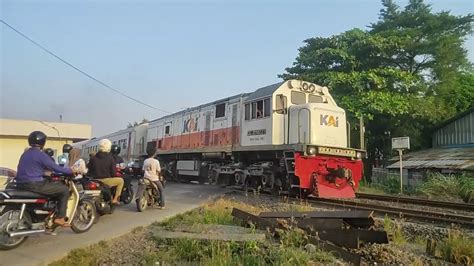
x: 105, y: 145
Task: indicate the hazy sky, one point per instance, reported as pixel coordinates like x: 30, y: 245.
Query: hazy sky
x: 170, y: 54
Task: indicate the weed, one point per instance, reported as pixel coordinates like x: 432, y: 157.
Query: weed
x: 457, y: 248
x: 449, y: 186
x: 394, y: 230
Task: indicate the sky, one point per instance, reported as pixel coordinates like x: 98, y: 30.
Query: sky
x: 169, y: 54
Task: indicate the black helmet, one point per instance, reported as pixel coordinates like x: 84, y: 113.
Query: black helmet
x: 150, y: 151
x: 115, y: 149
x: 49, y: 152
x: 37, y: 139
x: 67, y: 148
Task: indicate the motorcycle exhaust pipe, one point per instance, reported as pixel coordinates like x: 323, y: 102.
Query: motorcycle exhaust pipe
x: 26, y: 233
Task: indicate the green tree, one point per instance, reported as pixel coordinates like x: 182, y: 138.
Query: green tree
x: 402, y: 75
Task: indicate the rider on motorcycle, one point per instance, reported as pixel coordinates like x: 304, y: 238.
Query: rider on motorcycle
x: 32, y: 165
x: 152, y: 171
x: 102, y: 166
x: 115, y: 150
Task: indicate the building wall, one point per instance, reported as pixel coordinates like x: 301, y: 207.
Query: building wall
x: 460, y: 132
x: 14, y: 138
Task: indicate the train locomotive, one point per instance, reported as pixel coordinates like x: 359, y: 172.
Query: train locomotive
x: 289, y: 136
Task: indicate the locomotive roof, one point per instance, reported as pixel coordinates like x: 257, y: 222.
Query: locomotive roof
x: 265, y: 91
x: 259, y: 93
x: 201, y: 106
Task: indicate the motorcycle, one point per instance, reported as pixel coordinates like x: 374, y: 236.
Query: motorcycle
x: 24, y: 213
x: 100, y: 194
x: 127, y: 192
x: 148, y: 194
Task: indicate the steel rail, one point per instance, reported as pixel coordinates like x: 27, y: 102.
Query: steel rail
x: 400, y: 212
x: 426, y: 202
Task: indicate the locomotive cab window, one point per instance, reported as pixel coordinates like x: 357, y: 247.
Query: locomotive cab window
x: 220, y: 110
x: 267, y: 109
x: 167, y: 130
x: 247, y: 111
x: 258, y: 109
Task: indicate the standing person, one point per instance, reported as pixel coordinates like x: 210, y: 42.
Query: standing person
x: 102, y: 167
x: 76, y: 163
x: 152, y: 171
x: 33, y: 163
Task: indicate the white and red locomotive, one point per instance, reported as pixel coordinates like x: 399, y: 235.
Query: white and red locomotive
x: 289, y: 135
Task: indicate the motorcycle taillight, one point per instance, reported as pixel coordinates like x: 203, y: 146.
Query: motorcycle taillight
x: 91, y: 185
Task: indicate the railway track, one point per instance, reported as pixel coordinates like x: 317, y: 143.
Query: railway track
x: 439, y: 217
x: 419, y: 214
x: 415, y: 201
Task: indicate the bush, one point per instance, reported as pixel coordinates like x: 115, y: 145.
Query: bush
x: 457, y: 248
x: 448, y: 186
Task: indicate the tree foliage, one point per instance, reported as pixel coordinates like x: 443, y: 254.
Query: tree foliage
x: 406, y: 72
x: 134, y: 124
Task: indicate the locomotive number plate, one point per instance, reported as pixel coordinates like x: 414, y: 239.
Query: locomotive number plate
x: 336, y: 152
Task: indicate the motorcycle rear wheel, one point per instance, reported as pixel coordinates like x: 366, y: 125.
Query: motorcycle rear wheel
x: 85, y: 217
x: 142, y: 202
x: 9, y: 220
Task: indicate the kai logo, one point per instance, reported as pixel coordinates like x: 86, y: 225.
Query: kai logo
x: 329, y: 120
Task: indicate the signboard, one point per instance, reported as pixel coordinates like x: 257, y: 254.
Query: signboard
x: 401, y: 143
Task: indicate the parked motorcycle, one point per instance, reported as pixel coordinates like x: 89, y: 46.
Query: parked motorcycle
x: 24, y: 213
x: 148, y: 194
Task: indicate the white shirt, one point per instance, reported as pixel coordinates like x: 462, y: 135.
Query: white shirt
x: 151, y: 168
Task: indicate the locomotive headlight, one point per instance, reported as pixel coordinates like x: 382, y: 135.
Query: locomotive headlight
x: 312, y: 150
x: 359, y: 155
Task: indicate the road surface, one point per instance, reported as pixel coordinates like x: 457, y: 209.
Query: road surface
x: 40, y: 250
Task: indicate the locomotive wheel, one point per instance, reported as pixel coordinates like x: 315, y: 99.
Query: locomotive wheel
x: 239, y: 178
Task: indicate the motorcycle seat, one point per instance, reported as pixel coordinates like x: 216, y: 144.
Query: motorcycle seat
x: 24, y: 194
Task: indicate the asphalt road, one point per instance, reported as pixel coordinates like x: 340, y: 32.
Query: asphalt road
x: 40, y: 250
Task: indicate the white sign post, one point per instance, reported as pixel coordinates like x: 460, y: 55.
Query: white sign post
x: 401, y: 144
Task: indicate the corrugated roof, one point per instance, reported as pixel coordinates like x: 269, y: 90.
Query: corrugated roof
x: 439, y: 158
x: 454, y: 118
x: 265, y: 91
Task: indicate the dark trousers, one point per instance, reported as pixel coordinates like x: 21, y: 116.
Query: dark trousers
x: 57, y: 191
x: 162, y: 192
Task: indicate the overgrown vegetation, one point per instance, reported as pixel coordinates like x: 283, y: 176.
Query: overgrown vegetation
x: 458, y: 248
x: 288, y: 250
x: 437, y: 185
x: 449, y: 186
x: 394, y: 230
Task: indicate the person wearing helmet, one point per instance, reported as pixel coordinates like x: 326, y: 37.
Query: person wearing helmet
x: 50, y: 153
x: 102, y: 166
x: 63, y: 159
x: 31, y: 167
x: 115, y: 150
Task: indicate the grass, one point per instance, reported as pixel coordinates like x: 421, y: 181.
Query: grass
x: 289, y: 250
x: 217, y: 212
x: 394, y: 230
x: 457, y: 248
x: 449, y: 186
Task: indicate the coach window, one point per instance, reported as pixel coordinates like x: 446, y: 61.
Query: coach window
x: 298, y: 97
x: 220, y: 110
x: 247, y: 111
